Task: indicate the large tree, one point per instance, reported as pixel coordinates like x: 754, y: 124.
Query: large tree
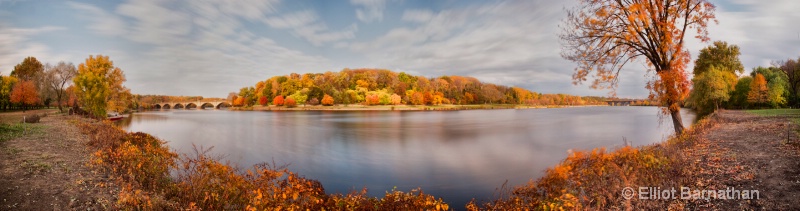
x: 602, y: 36
x: 28, y: 70
x: 57, y: 78
x: 25, y: 93
x: 714, y: 76
x: 721, y: 55
x: 711, y: 88
x: 99, y: 86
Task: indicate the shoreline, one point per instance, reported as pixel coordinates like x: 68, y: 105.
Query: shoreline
x: 358, y: 107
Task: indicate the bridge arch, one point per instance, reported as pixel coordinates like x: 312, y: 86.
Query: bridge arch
x: 178, y: 106
x: 166, y: 106
x: 222, y: 105
x: 207, y: 104
x: 191, y: 106
x: 156, y: 106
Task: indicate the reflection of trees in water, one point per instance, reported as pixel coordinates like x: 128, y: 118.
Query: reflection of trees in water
x: 126, y: 122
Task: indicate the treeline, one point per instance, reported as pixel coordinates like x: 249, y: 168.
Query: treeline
x: 93, y: 87
x: 716, y: 84
x: 385, y: 87
x: 32, y: 84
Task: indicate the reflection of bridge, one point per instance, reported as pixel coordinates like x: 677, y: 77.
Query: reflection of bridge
x: 192, y: 105
x: 623, y: 102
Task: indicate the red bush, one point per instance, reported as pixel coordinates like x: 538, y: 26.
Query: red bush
x: 278, y: 101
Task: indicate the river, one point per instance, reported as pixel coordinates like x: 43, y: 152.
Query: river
x: 455, y: 155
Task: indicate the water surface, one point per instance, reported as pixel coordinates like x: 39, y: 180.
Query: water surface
x: 456, y: 155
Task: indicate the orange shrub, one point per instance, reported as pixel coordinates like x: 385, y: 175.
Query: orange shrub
x: 290, y: 103
x: 327, y: 100
x: 278, y: 100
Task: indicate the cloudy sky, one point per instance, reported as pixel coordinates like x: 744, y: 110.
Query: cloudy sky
x: 210, y: 48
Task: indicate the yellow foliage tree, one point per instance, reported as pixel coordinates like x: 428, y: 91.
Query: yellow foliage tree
x: 99, y: 86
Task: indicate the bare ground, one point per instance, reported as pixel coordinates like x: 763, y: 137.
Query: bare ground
x: 748, y: 152
x: 47, y: 168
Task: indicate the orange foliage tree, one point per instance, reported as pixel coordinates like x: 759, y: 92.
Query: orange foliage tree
x: 290, y: 103
x: 25, y: 93
x: 262, y: 100
x: 759, y: 93
x: 239, y: 101
x: 604, y: 35
x: 327, y: 100
x: 278, y: 100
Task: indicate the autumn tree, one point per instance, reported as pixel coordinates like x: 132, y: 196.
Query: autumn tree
x: 759, y: 94
x: 300, y: 96
x: 395, y: 99
x: 98, y: 86
x: 278, y: 101
x: 6, y: 86
x: 290, y: 103
x: 602, y: 36
x: 57, y: 77
x: 28, y: 70
x: 719, y: 54
x: 327, y: 100
x: 711, y: 88
x: 714, y: 76
x: 25, y: 93
x: 263, y: 100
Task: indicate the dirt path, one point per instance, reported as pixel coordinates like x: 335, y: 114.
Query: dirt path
x: 748, y: 152
x: 47, y: 169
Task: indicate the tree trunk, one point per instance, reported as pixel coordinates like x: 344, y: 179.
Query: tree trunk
x: 677, y: 122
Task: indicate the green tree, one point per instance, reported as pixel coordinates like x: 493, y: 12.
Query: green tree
x: 249, y: 95
x: 300, y: 96
x: 721, y: 55
x: 99, y: 86
x: 28, y: 70
x: 739, y: 96
x: 711, y: 88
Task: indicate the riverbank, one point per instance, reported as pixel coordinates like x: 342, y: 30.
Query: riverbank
x: 360, y: 107
x: 49, y: 168
x: 746, y: 156
x: 44, y: 166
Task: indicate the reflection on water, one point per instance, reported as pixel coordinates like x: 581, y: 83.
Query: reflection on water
x: 456, y: 155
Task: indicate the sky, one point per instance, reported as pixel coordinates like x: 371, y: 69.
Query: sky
x: 210, y: 48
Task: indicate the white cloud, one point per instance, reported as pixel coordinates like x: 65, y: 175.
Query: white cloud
x: 417, y: 15
x: 16, y: 44
x: 202, y: 47
x: 371, y: 10
x: 102, y: 22
x: 307, y: 25
x: 501, y: 43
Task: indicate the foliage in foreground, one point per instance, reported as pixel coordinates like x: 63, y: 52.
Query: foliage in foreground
x: 143, y: 164
x: 595, y: 180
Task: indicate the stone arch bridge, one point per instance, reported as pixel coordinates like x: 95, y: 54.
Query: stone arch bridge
x: 192, y: 105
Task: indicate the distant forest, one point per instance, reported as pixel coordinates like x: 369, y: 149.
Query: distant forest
x: 385, y: 87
